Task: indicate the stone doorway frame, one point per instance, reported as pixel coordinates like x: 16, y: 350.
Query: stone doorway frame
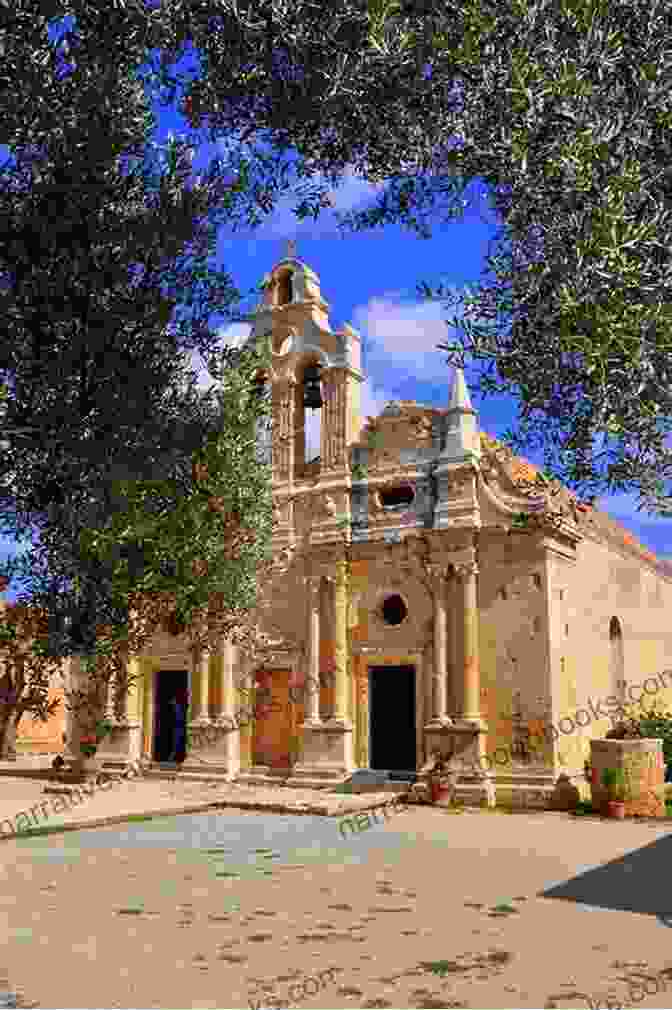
x: 369, y: 656
x: 153, y: 666
x: 370, y: 667
x: 156, y: 671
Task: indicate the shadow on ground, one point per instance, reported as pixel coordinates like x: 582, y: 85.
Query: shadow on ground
x: 635, y: 882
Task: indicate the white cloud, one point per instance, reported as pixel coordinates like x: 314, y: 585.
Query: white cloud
x: 351, y: 192
x: 400, y: 339
x: 400, y: 336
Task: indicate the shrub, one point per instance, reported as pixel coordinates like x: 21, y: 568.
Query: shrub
x: 651, y: 724
x: 613, y: 781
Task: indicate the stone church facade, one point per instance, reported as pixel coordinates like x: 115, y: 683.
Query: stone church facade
x: 439, y: 626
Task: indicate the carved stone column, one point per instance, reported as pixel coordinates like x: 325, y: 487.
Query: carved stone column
x: 327, y: 753
x: 283, y: 434
x: 453, y: 680
x: 110, y: 707
x: 471, y: 693
x: 341, y: 644
x: 134, y: 692
x: 461, y: 740
x: 439, y: 709
x: 312, y: 710
x: 219, y: 739
x: 199, y: 714
x: 333, y: 428
x: 226, y: 706
x: 132, y: 721
x: 297, y: 427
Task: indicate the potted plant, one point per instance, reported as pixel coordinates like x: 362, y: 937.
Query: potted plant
x: 88, y: 746
x: 614, y: 782
x: 441, y: 784
x: 435, y: 779
x: 86, y: 764
x: 641, y: 745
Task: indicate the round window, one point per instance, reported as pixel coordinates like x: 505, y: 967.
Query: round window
x: 394, y: 609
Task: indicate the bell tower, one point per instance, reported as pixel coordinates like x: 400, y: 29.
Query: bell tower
x: 314, y: 370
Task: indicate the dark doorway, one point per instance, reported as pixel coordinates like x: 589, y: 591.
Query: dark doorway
x: 169, y: 683
x: 392, y: 718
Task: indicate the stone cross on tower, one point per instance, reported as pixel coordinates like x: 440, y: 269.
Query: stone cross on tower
x: 291, y: 249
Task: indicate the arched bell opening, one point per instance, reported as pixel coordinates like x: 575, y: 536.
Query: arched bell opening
x: 284, y: 289
x: 308, y: 406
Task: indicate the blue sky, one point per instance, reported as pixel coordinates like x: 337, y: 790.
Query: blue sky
x: 369, y: 280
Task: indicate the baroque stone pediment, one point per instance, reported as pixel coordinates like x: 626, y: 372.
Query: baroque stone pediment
x: 403, y: 424
x: 509, y: 486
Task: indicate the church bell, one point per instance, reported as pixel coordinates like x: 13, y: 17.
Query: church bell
x: 312, y: 396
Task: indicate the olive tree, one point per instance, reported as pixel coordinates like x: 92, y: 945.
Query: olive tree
x: 562, y: 108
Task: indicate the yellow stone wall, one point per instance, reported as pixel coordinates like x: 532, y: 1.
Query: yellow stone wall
x: 642, y: 601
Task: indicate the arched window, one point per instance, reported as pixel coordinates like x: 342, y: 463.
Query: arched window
x: 284, y: 288
x: 313, y: 435
x: 309, y: 419
x: 616, y: 658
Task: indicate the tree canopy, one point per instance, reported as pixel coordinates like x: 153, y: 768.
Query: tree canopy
x: 563, y: 108
x: 107, y: 275
x: 107, y: 285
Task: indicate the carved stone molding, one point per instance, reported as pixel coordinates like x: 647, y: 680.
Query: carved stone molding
x: 376, y: 507
x: 312, y: 584
x: 279, y: 512
x: 324, y: 506
x: 284, y: 380
x: 465, y: 568
x: 456, y: 482
x: 437, y: 571
x: 421, y: 427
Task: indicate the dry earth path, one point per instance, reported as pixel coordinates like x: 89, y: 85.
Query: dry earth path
x: 234, y: 909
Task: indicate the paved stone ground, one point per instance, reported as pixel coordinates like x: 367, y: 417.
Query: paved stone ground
x: 124, y: 797
x: 429, y: 909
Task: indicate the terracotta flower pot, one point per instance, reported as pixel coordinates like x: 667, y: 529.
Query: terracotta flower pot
x: 616, y: 809
x: 86, y: 767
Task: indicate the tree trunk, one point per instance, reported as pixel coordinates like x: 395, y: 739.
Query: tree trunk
x: 12, y: 733
x: 7, y: 735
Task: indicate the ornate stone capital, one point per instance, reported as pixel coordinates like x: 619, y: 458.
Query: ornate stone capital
x: 465, y: 568
x: 312, y: 584
x: 341, y: 573
x: 323, y: 506
x: 437, y: 571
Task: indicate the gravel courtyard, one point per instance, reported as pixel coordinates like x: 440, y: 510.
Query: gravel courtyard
x: 431, y: 909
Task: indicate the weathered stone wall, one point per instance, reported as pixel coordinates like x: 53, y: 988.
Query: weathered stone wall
x: 514, y: 643
x: 604, y: 584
